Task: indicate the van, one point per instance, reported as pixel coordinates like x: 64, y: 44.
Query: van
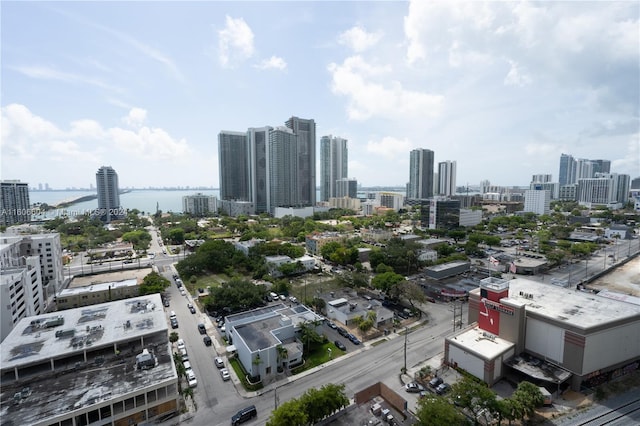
x: 244, y: 415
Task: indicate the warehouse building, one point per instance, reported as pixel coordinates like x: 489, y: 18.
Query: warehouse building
x: 547, y: 333
x: 107, y: 364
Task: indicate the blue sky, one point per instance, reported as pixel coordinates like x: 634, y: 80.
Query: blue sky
x: 503, y: 88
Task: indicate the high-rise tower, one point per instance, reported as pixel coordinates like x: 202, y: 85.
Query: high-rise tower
x: 258, y: 166
x: 233, y: 156
x: 283, y: 169
x: 420, y: 174
x: 14, y: 202
x: 333, y: 165
x: 305, y: 130
x: 567, y: 173
x: 447, y: 178
x: 108, y: 194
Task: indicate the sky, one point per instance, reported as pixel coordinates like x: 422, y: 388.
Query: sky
x: 502, y: 88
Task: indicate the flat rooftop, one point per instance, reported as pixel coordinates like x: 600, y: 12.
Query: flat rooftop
x: 482, y: 343
x: 576, y: 308
x: 98, y: 287
x: 449, y: 265
x: 75, y: 382
x: 90, y: 327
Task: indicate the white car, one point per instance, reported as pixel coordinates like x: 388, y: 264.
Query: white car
x: 225, y: 374
x: 180, y: 343
x: 219, y: 362
x: 191, y: 378
x: 187, y: 365
x: 182, y: 292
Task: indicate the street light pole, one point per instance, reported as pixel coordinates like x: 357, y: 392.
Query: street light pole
x: 406, y: 333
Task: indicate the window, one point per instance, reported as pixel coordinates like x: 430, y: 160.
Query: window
x: 151, y: 396
x: 94, y: 416
x: 128, y: 404
x: 105, y: 412
x: 140, y: 400
x: 117, y: 407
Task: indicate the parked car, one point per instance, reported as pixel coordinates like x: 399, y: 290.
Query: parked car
x: 191, y: 378
x: 340, y: 345
x: 353, y: 339
x: 182, y: 292
x: 180, y: 343
x: 342, y: 332
x: 332, y: 325
x: 202, y: 328
x: 435, y: 382
x: 174, y: 323
x: 191, y: 308
x: 187, y: 365
x: 219, y: 362
x: 443, y: 388
x: 166, y: 303
x: 225, y: 374
x: 413, y: 387
x: 207, y: 340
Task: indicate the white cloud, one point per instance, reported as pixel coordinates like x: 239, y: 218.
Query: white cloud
x: 358, y: 39
x: 148, y: 143
x: 367, y: 98
x: 235, y: 42
x: 273, y: 62
x: 390, y: 147
x: 516, y: 76
x: 48, y: 73
x: 26, y: 136
x: 136, y: 117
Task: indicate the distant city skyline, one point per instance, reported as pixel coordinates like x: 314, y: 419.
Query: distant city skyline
x: 501, y: 88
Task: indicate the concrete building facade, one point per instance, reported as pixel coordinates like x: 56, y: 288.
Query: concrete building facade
x: 110, y: 364
x: 566, y: 335
x: 199, y: 204
x: 334, y: 160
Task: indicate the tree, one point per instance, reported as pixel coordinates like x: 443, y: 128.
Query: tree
x: 309, y: 336
x: 173, y: 337
x: 290, y: 413
x: 436, y: 410
x: 153, y: 283
x: 529, y: 397
x: 387, y: 282
x: 473, y: 395
x: 283, y: 354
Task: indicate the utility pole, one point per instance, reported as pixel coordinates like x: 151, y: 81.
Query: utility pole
x: 406, y: 333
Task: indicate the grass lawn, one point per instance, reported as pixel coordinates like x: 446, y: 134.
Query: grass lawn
x: 242, y: 375
x: 318, y: 357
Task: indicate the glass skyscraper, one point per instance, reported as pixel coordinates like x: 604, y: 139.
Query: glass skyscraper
x: 420, y: 174
x: 108, y: 194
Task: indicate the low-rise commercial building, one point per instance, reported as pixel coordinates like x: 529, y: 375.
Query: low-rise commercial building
x: 567, y: 335
x: 267, y: 339
x: 108, y: 364
x: 75, y: 297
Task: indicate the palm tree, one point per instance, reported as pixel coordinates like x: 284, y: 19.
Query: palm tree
x: 283, y: 354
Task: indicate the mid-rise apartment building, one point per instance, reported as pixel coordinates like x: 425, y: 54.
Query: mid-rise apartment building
x: 199, y: 204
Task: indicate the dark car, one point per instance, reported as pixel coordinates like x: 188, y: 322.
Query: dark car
x: 191, y: 308
x: 202, y: 329
x: 443, y: 388
x: 342, y: 332
x: 207, y: 340
x: 166, y: 303
x: 435, y: 382
x: 174, y: 323
x: 340, y: 345
x: 244, y: 415
x: 353, y: 339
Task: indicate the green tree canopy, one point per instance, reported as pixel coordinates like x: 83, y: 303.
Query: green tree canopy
x: 153, y: 283
x: 436, y: 410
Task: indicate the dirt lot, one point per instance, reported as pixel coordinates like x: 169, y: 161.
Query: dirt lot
x: 110, y: 277
x: 624, y: 279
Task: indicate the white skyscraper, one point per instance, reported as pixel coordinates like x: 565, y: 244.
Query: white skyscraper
x: 333, y: 165
x: 537, y: 201
x: 447, y: 178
